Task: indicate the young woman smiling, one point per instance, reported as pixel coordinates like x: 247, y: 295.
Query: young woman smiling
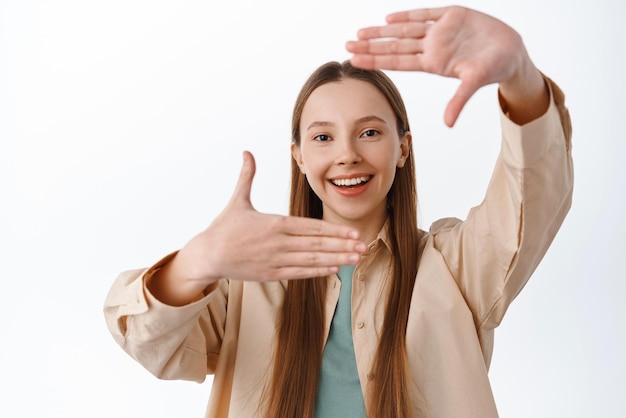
x: 345, y: 308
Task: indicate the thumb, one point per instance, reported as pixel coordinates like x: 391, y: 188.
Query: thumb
x: 458, y: 101
x: 241, y: 196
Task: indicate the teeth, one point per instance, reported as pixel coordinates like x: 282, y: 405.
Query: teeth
x: 351, y: 182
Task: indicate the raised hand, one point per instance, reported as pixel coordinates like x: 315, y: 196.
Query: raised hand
x: 453, y: 42
x: 243, y: 244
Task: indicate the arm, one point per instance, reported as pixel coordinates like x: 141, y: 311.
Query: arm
x: 171, y: 318
x: 493, y: 253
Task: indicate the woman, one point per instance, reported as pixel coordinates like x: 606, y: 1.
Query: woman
x: 345, y: 308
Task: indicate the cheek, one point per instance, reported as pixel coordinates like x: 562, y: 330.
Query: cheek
x: 386, y: 158
x: 313, y: 173
x: 387, y: 163
x: 312, y: 166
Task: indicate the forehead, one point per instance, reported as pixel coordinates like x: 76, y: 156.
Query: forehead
x: 344, y: 100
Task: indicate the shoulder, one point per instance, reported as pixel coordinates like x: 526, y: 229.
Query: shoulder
x: 444, y: 224
x: 437, y: 229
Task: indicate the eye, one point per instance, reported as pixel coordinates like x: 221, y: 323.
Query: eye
x: 321, y: 138
x: 370, y: 133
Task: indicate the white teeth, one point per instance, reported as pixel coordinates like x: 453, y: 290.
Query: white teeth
x: 351, y: 182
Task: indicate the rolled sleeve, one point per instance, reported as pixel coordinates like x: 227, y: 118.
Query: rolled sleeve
x: 171, y: 342
x: 523, y: 145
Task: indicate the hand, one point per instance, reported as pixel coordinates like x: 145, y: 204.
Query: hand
x: 243, y: 244
x: 452, y: 42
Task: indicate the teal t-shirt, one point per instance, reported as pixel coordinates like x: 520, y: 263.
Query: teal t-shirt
x: 339, y: 393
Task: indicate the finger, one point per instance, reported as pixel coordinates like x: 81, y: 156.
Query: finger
x: 314, y: 259
x: 302, y: 226
x: 397, y: 30
x: 304, y: 265
x: 321, y: 244
x: 465, y: 91
x: 417, y: 15
x: 405, y: 62
x: 296, y: 273
x: 400, y: 46
x: 244, y: 184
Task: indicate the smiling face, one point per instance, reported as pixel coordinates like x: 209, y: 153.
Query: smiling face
x: 349, y: 150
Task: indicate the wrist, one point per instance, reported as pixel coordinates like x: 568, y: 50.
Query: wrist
x: 524, y: 96
x: 171, y: 284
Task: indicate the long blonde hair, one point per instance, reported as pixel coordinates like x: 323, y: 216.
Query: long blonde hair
x: 292, y: 389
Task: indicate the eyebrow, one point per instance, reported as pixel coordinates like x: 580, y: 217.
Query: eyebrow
x: 359, y: 120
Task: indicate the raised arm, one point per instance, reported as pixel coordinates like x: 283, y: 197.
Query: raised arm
x: 496, y: 249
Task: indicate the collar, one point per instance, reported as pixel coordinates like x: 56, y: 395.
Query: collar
x: 382, y: 239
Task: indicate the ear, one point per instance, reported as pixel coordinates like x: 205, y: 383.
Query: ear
x: 297, y: 156
x: 405, y: 148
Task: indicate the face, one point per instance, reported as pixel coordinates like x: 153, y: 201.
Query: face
x: 349, y: 150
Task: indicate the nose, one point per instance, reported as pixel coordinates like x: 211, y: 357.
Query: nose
x: 347, y: 152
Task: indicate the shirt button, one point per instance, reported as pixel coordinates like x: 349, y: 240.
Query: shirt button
x: 370, y: 376
x: 360, y: 324
x: 361, y: 276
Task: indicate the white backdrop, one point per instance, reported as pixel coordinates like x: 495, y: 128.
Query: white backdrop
x: 122, y: 125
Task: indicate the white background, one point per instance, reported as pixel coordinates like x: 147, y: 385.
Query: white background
x: 122, y: 125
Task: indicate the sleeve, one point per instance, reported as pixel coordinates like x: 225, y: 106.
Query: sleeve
x: 495, y: 251
x: 170, y: 342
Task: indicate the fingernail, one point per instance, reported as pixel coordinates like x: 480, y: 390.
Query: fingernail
x: 360, y: 247
x: 353, y: 234
x: 354, y: 258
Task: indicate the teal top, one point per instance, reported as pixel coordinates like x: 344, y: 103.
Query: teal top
x: 339, y: 393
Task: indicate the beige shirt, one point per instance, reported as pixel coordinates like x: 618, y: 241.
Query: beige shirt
x: 468, y: 275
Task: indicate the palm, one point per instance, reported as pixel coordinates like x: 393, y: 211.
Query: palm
x: 470, y: 46
x: 452, y: 42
